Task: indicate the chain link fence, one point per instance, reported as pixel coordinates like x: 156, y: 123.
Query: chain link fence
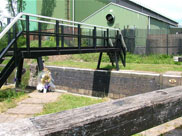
x: 143, y: 41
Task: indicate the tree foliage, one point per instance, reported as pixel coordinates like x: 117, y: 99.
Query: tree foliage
x: 48, y: 7
x: 16, y: 6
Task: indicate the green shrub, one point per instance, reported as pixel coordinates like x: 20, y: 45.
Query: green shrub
x: 3, y: 42
x: 21, y: 41
x: 9, y: 93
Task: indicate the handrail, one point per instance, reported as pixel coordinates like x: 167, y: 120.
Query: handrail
x: 52, y: 23
x: 18, y: 17
x: 10, y: 25
x: 68, y: 21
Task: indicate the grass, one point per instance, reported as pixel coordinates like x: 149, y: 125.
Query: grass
x: 159, y: 68
x: 131, y: 58
x: 137, y: 135
x: 69, y: 101
x: 9, y: 99
x: 153, y: 63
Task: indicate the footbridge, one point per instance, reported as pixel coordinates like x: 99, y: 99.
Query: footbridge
x: 83, y: 38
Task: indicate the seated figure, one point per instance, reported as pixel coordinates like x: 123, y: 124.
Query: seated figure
x: 45, y: 81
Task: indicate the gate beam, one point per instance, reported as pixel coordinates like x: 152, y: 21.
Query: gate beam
x: 121, y: 117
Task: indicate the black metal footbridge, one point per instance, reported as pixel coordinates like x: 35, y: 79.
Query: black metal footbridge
x: 70, y: 37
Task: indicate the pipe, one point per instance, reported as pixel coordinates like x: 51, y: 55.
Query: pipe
x: 73, y: 14
x: 73, y: 10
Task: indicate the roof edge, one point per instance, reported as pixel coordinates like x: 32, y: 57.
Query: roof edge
x: 152, y: 10
x: 111, y: 3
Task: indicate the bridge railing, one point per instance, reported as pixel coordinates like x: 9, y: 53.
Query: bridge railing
x: 64, y: 33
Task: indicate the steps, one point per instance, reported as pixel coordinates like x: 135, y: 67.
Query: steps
x: 7, y: 70
x: 8, y: 64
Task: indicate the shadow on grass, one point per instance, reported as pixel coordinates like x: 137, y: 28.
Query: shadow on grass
x: 108, y: 67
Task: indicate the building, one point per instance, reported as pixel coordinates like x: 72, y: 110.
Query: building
x: 123, y: 14
x: 126, y: 13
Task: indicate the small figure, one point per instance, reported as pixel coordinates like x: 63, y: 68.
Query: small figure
x: 45, y: 81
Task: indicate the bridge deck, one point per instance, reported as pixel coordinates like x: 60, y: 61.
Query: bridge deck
x: 38, y: 52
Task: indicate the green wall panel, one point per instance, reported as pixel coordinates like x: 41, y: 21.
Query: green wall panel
x: 31, y: 7
x: 35, y: 7
x: 123, y: 18
x: 59, y: 11
x: 84, y: 8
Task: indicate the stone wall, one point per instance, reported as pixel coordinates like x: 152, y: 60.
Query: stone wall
x: 114, y: 84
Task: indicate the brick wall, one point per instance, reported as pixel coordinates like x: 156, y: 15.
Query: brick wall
x: 115, y: 84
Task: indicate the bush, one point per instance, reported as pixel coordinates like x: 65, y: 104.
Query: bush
x: 3, y: 42
x: 10, y: 93
x: 21, y: 41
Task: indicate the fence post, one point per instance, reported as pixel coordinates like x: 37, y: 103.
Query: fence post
x: 104, y: 39
x: 147, y: 42
x: 57, y: 34
x: 107, y: 37
x: 79, y: 36
x: 39, y: 29
x: 94, y: 37
x: 167, y: 50
x: 27, y: 34
x: 117, y: 39
x: 9, y: 32
x: 15, y: 44
x: 62, y: 36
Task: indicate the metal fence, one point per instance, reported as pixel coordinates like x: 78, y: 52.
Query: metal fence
x: 143, y: 41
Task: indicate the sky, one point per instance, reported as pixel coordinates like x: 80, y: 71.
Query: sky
x: 3, y: 6
x: 170, y: 8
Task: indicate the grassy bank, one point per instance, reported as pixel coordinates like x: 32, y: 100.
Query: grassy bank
x: 131, y: 58
x: 68, y: 101
x: 154, y: 63
x: 9, y: 98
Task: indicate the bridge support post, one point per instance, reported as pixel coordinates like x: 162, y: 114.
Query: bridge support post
x: 40, y: 64
x: 116, y: 60
x: 99, y: 61
x: 9, y: 32
x: 19, y: 72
